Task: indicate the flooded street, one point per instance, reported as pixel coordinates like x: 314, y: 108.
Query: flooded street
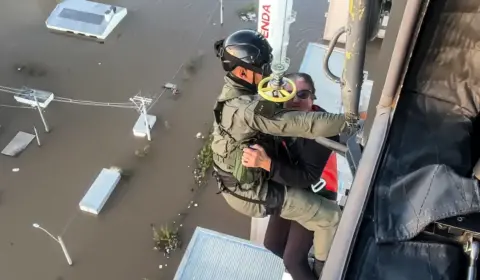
x: 148, y: 49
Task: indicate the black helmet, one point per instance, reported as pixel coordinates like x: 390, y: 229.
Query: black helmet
x: 246, y: 48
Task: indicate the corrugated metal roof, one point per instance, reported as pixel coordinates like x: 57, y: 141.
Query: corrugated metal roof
x: 211, y: 255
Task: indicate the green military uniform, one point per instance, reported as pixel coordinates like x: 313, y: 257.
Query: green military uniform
x: 239, y: 118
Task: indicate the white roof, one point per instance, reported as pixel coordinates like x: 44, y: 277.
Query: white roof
x: 99, y: 192
x: 85, y: 18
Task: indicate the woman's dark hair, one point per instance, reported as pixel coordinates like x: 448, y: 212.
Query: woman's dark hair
x: 304, y: 76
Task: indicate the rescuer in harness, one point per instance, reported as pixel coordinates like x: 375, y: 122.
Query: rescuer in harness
x: 242, y: 119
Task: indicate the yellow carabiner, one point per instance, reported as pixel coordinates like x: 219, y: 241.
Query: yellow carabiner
x: 266, y: 92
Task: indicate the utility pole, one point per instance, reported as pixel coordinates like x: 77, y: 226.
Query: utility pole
x: 141, y: 103
x: 221, y: 12
x: 147, y: 125
x: 36, y: 136
x: 34, y: 94
x: 59, y: 240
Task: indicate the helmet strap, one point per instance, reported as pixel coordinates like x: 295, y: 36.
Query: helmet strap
x: 250, y: 86
x: 230, y: 63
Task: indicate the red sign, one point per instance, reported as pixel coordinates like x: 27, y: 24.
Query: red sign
x: 265, y: 21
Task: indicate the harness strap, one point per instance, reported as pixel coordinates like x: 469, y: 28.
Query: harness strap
x: 223, y: 188
x: 217, y: 111
x: 217, y: 114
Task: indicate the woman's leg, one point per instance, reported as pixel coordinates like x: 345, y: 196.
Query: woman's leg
x: 315, y: 213
x: 277, y: 234
x: 295, y: 257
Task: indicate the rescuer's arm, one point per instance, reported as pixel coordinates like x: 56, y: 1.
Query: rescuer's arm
x: 293, y: 123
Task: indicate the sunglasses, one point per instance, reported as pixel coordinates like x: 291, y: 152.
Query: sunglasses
x: 304, y: 94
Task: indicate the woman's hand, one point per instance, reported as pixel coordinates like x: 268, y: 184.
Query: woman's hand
x: 256, y: 156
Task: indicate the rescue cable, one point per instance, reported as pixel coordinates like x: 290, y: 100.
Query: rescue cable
x: 280, y: 17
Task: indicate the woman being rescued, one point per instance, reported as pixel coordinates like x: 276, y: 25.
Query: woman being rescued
x: 299, y: 164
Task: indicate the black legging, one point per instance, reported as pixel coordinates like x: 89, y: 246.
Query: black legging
x: 291, y: 242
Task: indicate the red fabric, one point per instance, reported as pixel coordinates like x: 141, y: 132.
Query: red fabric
x: 330, y: 174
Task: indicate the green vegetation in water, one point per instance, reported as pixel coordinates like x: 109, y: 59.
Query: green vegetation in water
x: 250, y: 8
x: 204, y: 161
x: 166, y: 239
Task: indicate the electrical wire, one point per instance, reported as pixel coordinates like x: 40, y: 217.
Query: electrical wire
x: 13, y: 106
x: 98, y: 104
x: 14, y: 91
x: 25, y: 92
x: 87, y: 102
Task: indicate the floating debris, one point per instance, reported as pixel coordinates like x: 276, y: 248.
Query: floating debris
x: 172, y: 87
x: 116, y: 168
x: 143, y: 151
x: 248, y: 13
x: 199, y: 135
x: 31, y: 69
x: 16, y: 169
x: 167, y: 125
x: 248, y: 17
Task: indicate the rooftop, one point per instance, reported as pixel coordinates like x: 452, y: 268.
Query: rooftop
x: 85, y: 18
x: 215, y: 256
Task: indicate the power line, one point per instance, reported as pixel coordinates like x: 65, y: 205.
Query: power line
x: 64, y: 99
x: 98, y: 104
x: 26, y: 92
x: 14, y: 91
x: 57, y: 98
x: 13, y: 106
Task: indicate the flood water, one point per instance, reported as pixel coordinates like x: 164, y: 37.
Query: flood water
x: 146, y: 51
